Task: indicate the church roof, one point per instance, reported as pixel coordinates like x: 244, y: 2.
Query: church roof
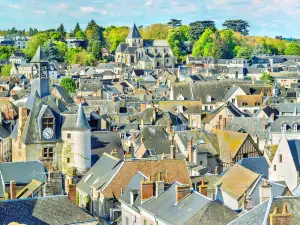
x: 81, y: 121
x: 39, y: 56
x: 134, y: 33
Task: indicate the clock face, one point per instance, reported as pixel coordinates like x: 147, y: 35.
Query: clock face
x: 48, y: 133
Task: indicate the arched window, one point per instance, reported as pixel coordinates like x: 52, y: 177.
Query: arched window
x: 132, y: 59
x: 208, y: 98
x: 257, y: 103
x: 244, y: 103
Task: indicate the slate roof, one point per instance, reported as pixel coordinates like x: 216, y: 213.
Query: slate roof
x: 29, y: 189
x: 103, y: 166
x: 294, y: 146
x: 134, y: 33
x: 122, y: 47
x: 81, y: 121
x: 289, y: 120
x: 64, y: 94
x: 156, y: 43
x: 39, y: 56
x: 193, y: 107
x: 39, y: 211
x: 257, y: 165
x: 23, y: 172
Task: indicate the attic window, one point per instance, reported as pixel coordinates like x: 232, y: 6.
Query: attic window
x: 244, y: 103
x: 295, y: 127
x: 208, y: 98
x: 257, y: 103
x: 151, y: 152
x: 283, y: 127
x: 201, y: 141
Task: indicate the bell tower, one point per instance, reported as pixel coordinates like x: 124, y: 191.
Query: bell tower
x: 40, y: 74
x: 134, y: 38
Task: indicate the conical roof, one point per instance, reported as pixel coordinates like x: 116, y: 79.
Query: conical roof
x: 81, y: 121
x: 39, y: 56
x: 134, y: 33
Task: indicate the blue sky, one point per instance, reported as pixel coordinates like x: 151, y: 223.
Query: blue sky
x: 266, y: 17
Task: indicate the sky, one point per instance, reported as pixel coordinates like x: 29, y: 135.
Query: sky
x: 266, y: 17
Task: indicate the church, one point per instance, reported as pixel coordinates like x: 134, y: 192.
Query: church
x: 144, y: 54
x: 47, y: 131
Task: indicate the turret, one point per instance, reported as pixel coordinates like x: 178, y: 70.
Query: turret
x: 82, y: 142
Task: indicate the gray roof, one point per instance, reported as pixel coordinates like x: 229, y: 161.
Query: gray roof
x: 81, y: 121
x: 2, y: 186
x: 103, y: 166
x: 122, y: 47
x: 23, y: 172
x: 39, y: 56
x: 289, y: 107
x: 134, y: 33
x: 164, y: 207
x: 295, y: 150
x: 257, y: 165
x: 289, y: 120
x: 38, y: 211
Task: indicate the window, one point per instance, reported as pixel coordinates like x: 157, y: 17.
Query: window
x: 283, y: 127
x: 233, y: 100
x: 244, y: 103
x: 68, y: 160
x: 274, y: 167
x: 257, y: 103
x: 48, y: 122
x: 208, y: 168
x: 201, y: 162
x: 295, y: 127
x: 213, y: 196
x: 280, y: 158
x: 48, y: 153
x: 69, y: 135
x: 245, y: 155
x: 145, y: 222
x: 122, y: 136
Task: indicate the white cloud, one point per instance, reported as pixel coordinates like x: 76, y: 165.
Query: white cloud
x: 61, y: 6
x: 14, y: 6
x: 87, y: 9
x: 149, y: 3
x: 39, y: 11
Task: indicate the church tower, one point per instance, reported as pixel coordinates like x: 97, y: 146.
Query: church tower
x: 82, y: 142
x: 134, y: 38
x: 40, y: 74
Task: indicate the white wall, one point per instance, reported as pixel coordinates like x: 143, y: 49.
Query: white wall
x: 227, y: 199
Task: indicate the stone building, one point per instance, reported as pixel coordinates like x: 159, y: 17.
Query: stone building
x: 144, y: 54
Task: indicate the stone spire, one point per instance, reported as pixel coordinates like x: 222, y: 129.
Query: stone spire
x: 134, y: 33
x: 39, y: 56
x: 81, y: 121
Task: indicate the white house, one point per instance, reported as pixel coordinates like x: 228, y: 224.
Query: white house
x: 286, y: 163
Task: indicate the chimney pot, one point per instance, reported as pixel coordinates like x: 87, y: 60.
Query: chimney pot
x: 72, y: 193
x: 203, y: 188
x: 13, y: 190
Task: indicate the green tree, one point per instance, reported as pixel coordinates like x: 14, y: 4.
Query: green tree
x: 62, y: 31
x: 94, y: 32
x: 62, y: 49
x: 175, y: 23
x: 243, y: 52
x: 55, y: 36
x: 237, y: 26
x: 34, y: 42
x: 69, y: 84
x: 51, y: 52
x: 76, y: 29
x: 155, y: 31
x: 197, y: 28
x: 80, y: 35
x: 266, y: 77
x: 258, y: 50
x: 203, y: 45
x: 70, y: 56
x: 5, y: 70
x: 176, y: 38
x: 293, y: 49
x: 30, y: 32
x: 114, y: 36
x: 97, y: 49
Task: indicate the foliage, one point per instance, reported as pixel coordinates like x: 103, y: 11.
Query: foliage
x: 237, y: 26
x: 176, y: 38
x: 80, y: 35
x: 293, y: 49
x: 51, y: 52
x: 62, y: 48
x: 87, y: 202
x: 96, y: 49
x: 175, y: 23
x: 76, y: 30
x: 197, y: 28
x: 114, y: 36
x: 94, y: 32
x: 243, y: 52
x: 258, y: 50
x: 69, y: 84
x: 156, y: 31
x: 266, y: 77
x: 61, y: 30
x: 5, y: 70
x: 6, y: 51
x: 80, y: 56
x: 34, y: 43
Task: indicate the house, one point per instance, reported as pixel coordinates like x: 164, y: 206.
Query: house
x: 277, y: 210
x: 41, y: 211
x: 106, y: 189
x: 249, y: 103
x: 148, y: 201
x: 144, y: 54
x: 234, y: 146
x: 286, y: 81
x: 285, y: 163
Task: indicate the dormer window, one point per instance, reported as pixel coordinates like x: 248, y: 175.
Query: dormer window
x: 283, y: 127
x: 295, y: 127
x: 257, y: 103
x: 244, y: 103
x: 208, y: 98
x: 180, y: 108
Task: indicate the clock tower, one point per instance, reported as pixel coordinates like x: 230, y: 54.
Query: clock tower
x: 40, y: 74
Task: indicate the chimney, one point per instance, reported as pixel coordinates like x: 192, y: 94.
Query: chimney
x: 13, y: 189
x: 142, y: 124
x: 272, y: 117
x: 157, y: 83
x: 160, y: 186
x: 22, y: 117
x: 143, y: 138
x: 147, y: 190
x: 190, y: 150
x: 181, y: 192
x: 168, y: 129
x: 265, y: 191
x: 264, y: 122
x: 113, y: 99
x: 142, y: 107
x: 217, y: 170
x: 133, y: 136
x: 154, y: 115
x: 172, y: 148
x: 203, y: 188
x: 131, y: 150
x: 72, y: 193
x: 115, y: 153
x: 283, y: 218
x: 245, y: 202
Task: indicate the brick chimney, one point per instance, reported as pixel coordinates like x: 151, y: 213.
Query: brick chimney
x: 133, y: 135
x: 142, y: 107
x: 13, y: 189
x: 147, y: 190
x: 265, y: 191
x: 172, y: 148
x: 169, y: 127
x: 181, y: 192
x: 190, y: 150
x: 159, y: 185
x: 142, y: 124
x: 72, y: 193
x: 203, y: 188
x: 22, y: 117
x: 143, y: 139
x: 283, y: 218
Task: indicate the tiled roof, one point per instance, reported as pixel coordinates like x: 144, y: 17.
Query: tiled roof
x: 249, y: 100
x: 176, y: 171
